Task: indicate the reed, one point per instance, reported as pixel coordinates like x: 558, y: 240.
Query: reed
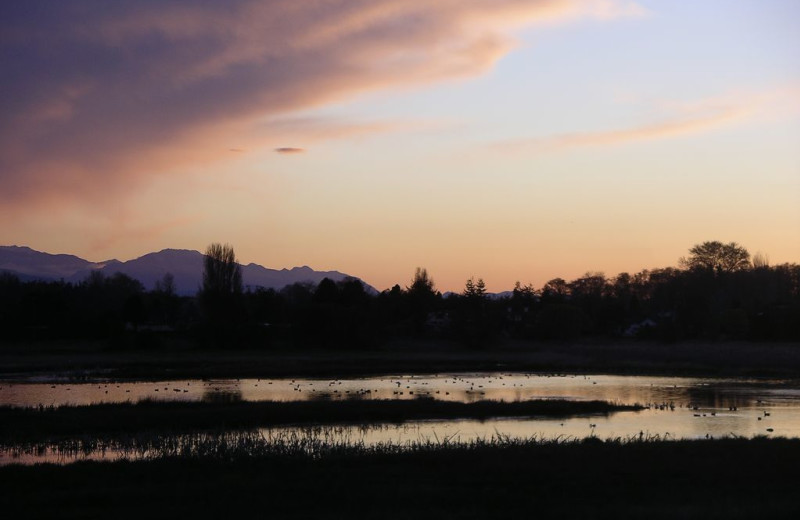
x: 19, y: 425
x: 229, y: 475
x: 312, y: 442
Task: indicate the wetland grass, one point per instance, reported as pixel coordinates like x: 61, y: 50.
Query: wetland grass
x: 43, y: 423
x: 314, y: 442
x: 498, y: 478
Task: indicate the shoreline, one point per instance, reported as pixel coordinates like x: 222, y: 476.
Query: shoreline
x: 83, y: 360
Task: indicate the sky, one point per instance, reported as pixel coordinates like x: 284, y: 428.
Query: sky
x: 509, y: 140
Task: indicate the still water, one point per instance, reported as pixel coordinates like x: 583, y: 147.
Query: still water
x: 677, y: 407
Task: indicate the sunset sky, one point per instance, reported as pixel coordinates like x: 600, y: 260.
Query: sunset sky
x: 503, y: 139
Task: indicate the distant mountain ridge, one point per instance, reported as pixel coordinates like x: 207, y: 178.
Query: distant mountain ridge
x: 186, y: 266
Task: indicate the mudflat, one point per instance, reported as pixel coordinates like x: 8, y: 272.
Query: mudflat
x: 85, y: 359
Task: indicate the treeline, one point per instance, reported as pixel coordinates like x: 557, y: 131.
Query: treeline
x: 706, y: 299
x: 100, y: 307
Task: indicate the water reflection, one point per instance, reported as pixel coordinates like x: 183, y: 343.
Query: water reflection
x: 720, y: 394
x: 677, y: 407
x: 220, y: 395
x: 650, y: 424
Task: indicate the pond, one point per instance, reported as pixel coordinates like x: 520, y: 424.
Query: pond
x: 677, y: 407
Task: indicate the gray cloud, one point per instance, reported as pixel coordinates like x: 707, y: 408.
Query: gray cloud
x: 98, y: 95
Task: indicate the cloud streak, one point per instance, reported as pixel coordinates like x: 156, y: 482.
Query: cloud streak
x: 99, y: 97
x: 665, y: 129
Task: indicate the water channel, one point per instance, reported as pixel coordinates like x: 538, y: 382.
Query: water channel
x: 677, y: 407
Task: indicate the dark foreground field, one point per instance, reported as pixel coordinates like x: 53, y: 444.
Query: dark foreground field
x: 731, y: 478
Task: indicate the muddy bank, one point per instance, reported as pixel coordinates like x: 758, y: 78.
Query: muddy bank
x: 78, y: 360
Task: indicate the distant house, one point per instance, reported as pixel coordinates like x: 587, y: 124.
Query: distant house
x: 517, y: 314
x: 635, y: 328
x: 129, y: 326
x: 438, y: 321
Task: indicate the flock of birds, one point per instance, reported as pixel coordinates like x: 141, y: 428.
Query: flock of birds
x: 455, y: 387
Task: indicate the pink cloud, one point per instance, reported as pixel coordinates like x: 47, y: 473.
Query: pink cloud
x: 101, y: 97
x: 127, y: 229
x: 675, y: 127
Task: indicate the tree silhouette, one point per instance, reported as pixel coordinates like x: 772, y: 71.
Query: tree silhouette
x: 473, y: 289
x: 760, y: 261
x: 556, y: 290
x: 472, y: 321
x: 717, y: 257
x: 221, y: 295
x: 717, y: 295
x: 327, y: 292
x: 164, y: 300
x: 221, y: 274
x: 422, y: 299
x: 166, y: 285
x: 421, y: 283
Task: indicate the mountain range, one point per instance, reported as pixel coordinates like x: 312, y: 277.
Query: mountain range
x: 186, y: 266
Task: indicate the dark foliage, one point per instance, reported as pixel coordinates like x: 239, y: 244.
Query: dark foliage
x: 727, y: 302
